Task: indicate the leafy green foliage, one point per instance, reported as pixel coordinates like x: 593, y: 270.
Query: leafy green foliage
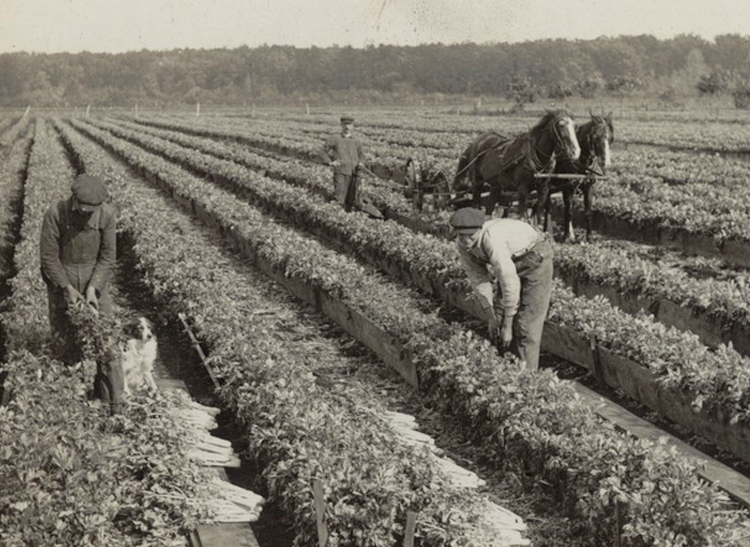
x: 69, y: 473
x: 530, y: 424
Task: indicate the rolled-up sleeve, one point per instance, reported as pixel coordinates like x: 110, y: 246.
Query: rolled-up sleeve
x: 478, y: 276
x: 506, y: 275
x: 49, y: 248
x: 105, y: 260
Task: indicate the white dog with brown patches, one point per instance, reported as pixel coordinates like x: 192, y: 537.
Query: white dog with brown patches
x: 138, y: 355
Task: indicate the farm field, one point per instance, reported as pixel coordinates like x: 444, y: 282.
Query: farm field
x: 304, y: 310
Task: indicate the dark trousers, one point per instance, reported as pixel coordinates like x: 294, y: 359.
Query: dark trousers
x: 346, y: 190
x: 109, y: 382
x: 535, y: 271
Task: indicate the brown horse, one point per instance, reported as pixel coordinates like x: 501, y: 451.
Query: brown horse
x: 421, y: 181
x: 595, y: 137
x: 509, y: 165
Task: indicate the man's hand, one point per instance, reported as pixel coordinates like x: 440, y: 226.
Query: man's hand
x: 494, y: 326
x: 506, y: 335
x: 91, y: 298
x: 72, y: 296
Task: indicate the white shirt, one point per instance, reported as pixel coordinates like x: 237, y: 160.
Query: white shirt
x: 495, y: 244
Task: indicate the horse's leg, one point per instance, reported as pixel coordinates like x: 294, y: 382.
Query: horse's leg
x: 461, y: 173
x: 441, y: 195
x: 541, y: 203
x: 567, y: 200
x: 494, y: 198
x: 477, y: 194
x: 547, y: 207
x: 587, y: 190
x: 523, y: 196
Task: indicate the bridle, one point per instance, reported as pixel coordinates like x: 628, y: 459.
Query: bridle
x: 535, y: 163
x: 589, y: 167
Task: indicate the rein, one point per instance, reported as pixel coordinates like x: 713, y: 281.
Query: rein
x: 482, y: 153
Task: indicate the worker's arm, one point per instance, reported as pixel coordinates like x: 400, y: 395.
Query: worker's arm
x: 506, y: 275
x: 105, y: 261
x: 49, y: 250
x: 479, y: 278
x: 329, y: 154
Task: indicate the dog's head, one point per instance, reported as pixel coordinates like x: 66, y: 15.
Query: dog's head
x: 140, y: 329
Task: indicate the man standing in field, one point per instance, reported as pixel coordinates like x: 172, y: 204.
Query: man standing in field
x: 521, y: 259
x: 77, y: 250
x: 344, y: 153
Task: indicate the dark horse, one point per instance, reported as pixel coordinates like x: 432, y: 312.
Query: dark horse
x: 595, y: 137
x: 509, y: 165
x: 421, y: 181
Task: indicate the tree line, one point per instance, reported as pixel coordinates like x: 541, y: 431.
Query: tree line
x: 681, y: 66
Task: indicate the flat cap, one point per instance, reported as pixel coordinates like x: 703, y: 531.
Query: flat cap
x: 89, y: 191
x: 467, y: 218
x: 347, y: 119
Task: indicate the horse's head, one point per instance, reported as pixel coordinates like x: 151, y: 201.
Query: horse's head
x: 596, y: 138
x: 561, y: 125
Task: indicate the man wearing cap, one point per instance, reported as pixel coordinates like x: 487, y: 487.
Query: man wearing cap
x: 77, y: 250
x: 521, y: 260
x: 344, y: 153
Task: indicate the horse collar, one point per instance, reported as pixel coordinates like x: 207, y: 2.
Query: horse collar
x: 534, y: 163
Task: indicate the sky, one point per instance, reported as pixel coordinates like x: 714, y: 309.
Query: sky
x: 113, y: 26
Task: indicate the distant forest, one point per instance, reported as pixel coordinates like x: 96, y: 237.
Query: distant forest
x: 629, y: 65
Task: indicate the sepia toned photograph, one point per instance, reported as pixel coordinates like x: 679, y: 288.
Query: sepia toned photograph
x: 374, y: 273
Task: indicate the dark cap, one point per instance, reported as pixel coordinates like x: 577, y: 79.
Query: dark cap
x: 347, y: 119
x: 90, y: 192
x: 467, y: 219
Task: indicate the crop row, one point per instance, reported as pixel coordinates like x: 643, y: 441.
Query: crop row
x: 683, y: 363
x: 71, y: 475
x: 518, y: 418
x: 5, y: 123
x: 681, y: 134
x: 7, y: 139
x: 386, y: 160
x: 717, y: 309
x: 299, y: 430
x: 674, y: 131
x: 312, y: 176
x: 694, y: 216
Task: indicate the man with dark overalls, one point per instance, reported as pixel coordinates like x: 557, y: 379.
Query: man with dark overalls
x: 77, y: 250
x: 344, y: 153
x: 521, y: 259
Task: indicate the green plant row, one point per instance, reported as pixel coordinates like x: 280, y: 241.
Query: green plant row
x: 391, y: 160
x: 726, y: 300
x: 313, y: 175
x: 725, y: 136
x: 69, y: 474
x: 9, y: 137
x: 653, y: 128
x: 530, y: 424
x: 5, y: 123
x: 296, y: 429
x: 716, y: 379
x: 718, y: 300
x: 643, y: 200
